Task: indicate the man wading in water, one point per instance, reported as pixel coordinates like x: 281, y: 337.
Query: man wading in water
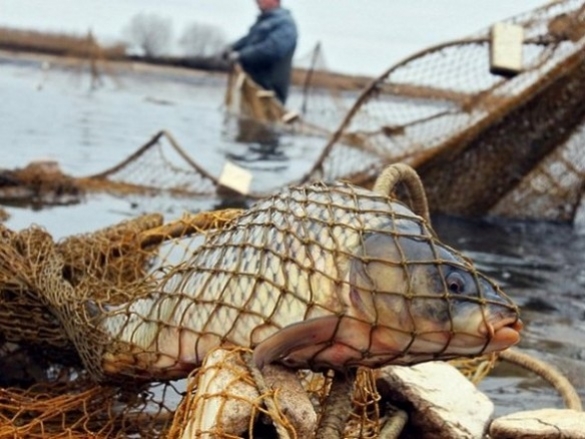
x: 266, y: 52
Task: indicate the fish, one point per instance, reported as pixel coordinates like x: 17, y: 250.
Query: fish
x: 314, y: 277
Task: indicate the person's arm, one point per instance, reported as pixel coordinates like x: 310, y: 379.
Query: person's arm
x: 240, y: 43
x: 231, y: 52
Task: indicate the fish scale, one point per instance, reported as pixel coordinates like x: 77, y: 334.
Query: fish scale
x: 284, y: 261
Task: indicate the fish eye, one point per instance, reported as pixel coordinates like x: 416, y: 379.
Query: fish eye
x: 455, y: 283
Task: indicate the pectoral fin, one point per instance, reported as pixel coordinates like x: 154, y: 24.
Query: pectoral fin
x: 296, y: 337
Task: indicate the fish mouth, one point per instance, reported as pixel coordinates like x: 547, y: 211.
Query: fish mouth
x: 502, y: 333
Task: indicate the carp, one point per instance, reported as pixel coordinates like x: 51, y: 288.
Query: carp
x: 319, y: 277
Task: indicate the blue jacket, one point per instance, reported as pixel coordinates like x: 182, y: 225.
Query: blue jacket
x: 266, y: 51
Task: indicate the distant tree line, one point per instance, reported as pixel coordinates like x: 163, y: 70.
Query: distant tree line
x: 151, y: 36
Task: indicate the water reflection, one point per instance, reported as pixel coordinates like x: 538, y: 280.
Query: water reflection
x: 263, y: 141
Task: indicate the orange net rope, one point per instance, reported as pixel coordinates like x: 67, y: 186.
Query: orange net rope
x: 482, y: 143
x: 236, y: 323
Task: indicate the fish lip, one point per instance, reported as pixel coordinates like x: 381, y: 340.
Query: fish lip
x: 498, y: 323
x: 502, y: 332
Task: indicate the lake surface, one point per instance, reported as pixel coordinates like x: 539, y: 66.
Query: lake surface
x: 54, y: 113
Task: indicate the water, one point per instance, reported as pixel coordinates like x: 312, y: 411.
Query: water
x: 54, y: 113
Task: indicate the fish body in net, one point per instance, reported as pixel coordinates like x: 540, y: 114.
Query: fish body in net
x: 316, y: 277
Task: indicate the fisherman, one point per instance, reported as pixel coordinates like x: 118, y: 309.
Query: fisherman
x: 266, y: 52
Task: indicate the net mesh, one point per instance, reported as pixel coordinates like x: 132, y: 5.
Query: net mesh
x: 47, y: 388
x: 482, y: 143
x: 114, y: 333
x: 159, y: 166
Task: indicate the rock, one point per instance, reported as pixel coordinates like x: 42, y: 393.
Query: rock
x: 291, y: 399
x: 540, y: 424
x: 440, y: 401
x: 225, y: 399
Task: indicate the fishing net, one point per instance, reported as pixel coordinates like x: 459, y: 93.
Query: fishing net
x: 39, y: 183
x: 47, y: 388
x: 102, y: 333
x: 325, y: 97
x: 482, y: 143
x: 159, y: 166
x: 320, y: 100
x: 312, y: 115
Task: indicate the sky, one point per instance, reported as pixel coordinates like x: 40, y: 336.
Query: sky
x: 358, y: 37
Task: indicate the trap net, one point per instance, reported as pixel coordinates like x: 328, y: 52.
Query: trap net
x: 158, y: 173
x: 482, y: 142
x: 159, y: 166
x: 318, y: 101
x: 113, y: 333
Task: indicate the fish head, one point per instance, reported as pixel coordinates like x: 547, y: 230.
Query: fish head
x: 424, y: 301
x: 408, y: 299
